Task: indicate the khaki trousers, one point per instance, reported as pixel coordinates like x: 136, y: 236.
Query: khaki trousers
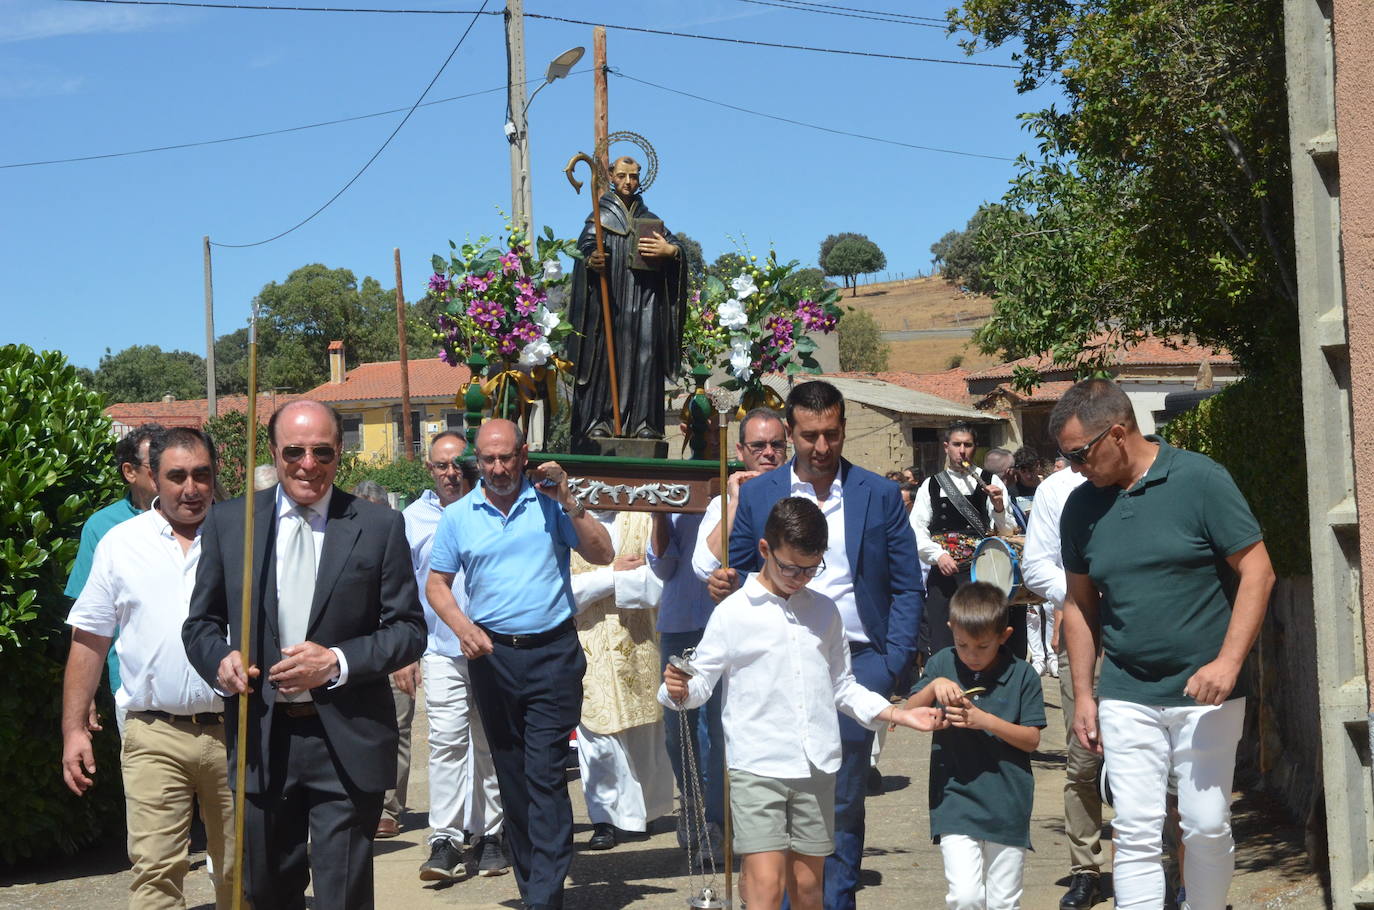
x: 1082, y: 803
x: 166, y: 764
x: 394, y: 802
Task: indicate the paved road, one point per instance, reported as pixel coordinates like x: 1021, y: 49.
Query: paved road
x: 650, y: 873
x: 925, y: 334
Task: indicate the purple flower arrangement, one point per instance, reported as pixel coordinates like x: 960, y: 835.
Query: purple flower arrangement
x: 494, y: 301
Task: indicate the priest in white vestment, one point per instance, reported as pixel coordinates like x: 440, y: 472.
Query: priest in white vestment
x: 626, y: 776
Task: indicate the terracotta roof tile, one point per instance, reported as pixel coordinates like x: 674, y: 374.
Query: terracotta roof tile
x: 1044, y: 393
x: 191, y: 411
x: 429, y: 378
x: 947, y: 384
x: 1152, y: 351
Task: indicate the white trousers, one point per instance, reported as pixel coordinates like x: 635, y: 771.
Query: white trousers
x: 463, y: 793
x: 626, y: 777
x: 981, y: 875
x: 1039, y: 635
x: 1143, y: 746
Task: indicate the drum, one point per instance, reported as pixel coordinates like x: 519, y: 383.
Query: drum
x: 997, y: 560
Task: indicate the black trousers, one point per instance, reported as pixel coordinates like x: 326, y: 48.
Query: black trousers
x: 530, y: 699
x: 310, y: 797
x: 935, y: 634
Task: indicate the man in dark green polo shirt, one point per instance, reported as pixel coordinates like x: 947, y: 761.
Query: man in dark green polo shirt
x: 131, y: 454
x: 1167, y: 567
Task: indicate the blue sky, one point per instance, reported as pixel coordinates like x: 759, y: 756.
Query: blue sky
x: 107, y: 253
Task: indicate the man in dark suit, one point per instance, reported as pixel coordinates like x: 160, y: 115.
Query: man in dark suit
x: 871, y: 572
x: 335, y: 611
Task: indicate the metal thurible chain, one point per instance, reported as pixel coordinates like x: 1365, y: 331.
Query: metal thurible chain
x: 699, y: 853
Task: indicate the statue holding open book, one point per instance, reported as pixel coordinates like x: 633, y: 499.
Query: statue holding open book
x: 646, y: 278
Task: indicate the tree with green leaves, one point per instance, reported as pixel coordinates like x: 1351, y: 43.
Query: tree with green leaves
x: 1161, y: 200
x: 727, y: 267
x: 145, y: 372
x: 851, y: 257
x: 957, y: 257
x: 693, y: 258
x: 300, y: 316
x: 862, y: 348
x: 806, y: 283
x: 829, y: 242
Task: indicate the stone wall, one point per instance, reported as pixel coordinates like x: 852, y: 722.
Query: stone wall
x: 1281, y: 749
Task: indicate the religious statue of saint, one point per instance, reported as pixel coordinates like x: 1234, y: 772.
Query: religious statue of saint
x: 647, y: 279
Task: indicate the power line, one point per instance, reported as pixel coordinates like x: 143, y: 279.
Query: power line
x: 376, y: 154
x: 791, y: 47
x: 876, y: 12
x: 813, y: 126
x: 623, y: 28
x: 904, y: 20
x: 264, y: 133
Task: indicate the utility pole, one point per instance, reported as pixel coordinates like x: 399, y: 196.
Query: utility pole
x: 407, y: 440
x: 601, y: 121
x: 211, y: 404
x: 517, y: 127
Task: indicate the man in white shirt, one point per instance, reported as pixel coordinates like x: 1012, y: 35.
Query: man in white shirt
x: 1042, y: 568
x: 762, y: 447
x: 463, y: 793
x: 953, y: 510
x: 174, y: 751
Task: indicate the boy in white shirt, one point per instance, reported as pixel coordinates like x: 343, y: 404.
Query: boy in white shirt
x: 782, y: 653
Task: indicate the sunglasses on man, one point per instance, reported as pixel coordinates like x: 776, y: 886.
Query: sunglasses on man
x: 323, y: 454
x: 1079, y: 455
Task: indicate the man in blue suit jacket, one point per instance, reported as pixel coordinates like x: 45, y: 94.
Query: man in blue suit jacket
x: 872, y: 573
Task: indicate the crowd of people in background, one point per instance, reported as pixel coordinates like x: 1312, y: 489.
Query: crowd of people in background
x: 528, y: 623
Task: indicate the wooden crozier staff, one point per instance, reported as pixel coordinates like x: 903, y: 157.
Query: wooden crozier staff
x: 607, y: 328
x: 246, y: 617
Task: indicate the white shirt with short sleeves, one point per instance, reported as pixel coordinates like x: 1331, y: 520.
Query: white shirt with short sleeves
x: 140, y: 585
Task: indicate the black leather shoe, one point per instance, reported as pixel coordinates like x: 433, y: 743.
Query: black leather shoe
x: 603, y: 837
x: 1082, y: 894
x: 874, y: 782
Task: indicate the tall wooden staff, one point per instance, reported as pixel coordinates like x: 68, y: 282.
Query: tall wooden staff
x: 724, y: 403
x: 607, y: 327
x: 246, y: 617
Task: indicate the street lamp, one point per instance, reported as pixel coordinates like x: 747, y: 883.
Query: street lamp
x: 517, y: 132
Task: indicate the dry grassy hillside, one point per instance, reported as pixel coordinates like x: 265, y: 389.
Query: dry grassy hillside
x: 925, y: 304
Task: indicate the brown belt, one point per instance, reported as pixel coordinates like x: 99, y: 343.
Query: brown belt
x: 299, y: 708
x: 208, y: 719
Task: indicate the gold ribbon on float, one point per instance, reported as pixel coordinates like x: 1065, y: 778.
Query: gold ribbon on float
x: 548, y: 378
x: 495, y: 388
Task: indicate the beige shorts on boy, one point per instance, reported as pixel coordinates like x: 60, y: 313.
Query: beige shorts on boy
x: 772, y: 813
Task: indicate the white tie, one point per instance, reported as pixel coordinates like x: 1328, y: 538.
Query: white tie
x: 296, y: 577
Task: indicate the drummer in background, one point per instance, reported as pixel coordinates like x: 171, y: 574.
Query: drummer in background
x: 954, y: 509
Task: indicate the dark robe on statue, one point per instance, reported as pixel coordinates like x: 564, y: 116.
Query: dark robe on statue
x: 648, y: 309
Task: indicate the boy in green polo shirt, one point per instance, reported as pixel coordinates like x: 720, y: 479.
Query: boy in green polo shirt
x: 981, y: 786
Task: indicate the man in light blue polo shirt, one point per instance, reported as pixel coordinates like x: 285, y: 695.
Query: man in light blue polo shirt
x: 511, y: 538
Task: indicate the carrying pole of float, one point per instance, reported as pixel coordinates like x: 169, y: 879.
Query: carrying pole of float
x: 246, y: 615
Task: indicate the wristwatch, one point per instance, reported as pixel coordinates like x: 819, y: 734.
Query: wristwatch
x: 576, y: 511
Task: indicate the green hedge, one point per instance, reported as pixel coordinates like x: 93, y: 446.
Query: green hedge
x: 56, y: 468
x: 402, y: 476
x: 1255, y: 429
